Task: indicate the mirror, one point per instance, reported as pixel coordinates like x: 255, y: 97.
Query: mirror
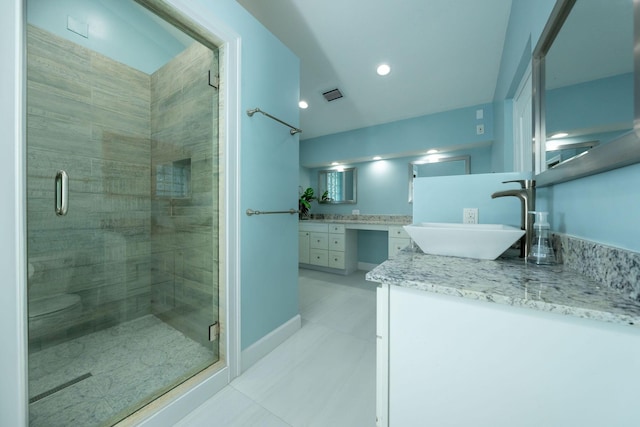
x: 437, y: 166
x: 584, y: 78
x: 340, y: 185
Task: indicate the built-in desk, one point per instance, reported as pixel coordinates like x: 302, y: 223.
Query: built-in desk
x: 331, y: 245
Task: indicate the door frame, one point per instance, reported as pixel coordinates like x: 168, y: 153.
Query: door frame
x: 13, y: 257
x: 523, y: 159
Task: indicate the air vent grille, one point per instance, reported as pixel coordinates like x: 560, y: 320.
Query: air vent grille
x: 332, y: 95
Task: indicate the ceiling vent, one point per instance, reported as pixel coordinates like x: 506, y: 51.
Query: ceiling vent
x: 332, y: 95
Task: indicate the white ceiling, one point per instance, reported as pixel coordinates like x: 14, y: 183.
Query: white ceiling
x: 444, y: 55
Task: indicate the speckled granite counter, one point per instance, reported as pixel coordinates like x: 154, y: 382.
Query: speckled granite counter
x: 362, y: 219
x: 508, y: 280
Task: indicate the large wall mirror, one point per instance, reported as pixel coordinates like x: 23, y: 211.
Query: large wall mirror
x: 585, y: 74
x: 340, y: 185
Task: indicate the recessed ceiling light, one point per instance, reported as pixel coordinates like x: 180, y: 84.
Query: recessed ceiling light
x: 383, y: 69
x: 303, y: 104
x: 432, y: 151
x: 377, y: 158
x: 334, y: 163
x: 559, y: 135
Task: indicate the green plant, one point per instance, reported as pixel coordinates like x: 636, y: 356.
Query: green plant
x: 304, y: 203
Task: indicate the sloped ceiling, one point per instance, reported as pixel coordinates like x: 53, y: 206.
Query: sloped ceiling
x: 443, y: 54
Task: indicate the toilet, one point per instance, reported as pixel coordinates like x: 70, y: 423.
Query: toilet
x: 52, y: 314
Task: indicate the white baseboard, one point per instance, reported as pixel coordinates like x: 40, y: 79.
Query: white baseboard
x: 269, y: 342
x: 366, y: 266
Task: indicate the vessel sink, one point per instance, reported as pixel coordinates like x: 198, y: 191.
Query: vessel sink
x: 481, y: 241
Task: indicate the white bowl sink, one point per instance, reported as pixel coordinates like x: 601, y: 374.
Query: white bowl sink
x: 482, y: 241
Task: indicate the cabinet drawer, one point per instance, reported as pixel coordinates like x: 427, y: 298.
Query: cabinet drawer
x: 397, y: 232
x: 336, y: 228
x: 319, y: 241
x: 336, y: 259
x: 319, y: 257
x: 396, y: 245
x: 336, y: 242
x: 313, y: 227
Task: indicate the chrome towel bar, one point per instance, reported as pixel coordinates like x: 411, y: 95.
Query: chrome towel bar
x: 252, y: 212
x: 293, y: 130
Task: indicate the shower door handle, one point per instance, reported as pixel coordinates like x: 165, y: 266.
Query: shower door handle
x: 62, y: 193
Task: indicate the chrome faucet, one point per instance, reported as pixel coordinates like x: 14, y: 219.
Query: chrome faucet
x: 527, y: 195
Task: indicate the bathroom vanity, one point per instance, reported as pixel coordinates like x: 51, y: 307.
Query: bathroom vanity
x: 502, y: 343
x: 331, y: 245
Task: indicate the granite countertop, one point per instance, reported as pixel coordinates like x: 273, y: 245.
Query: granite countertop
x: 361, y: 219
x: 354, y: 221
x: 509, y: 280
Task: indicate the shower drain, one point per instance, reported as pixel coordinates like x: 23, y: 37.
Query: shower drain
x: 60, y: 387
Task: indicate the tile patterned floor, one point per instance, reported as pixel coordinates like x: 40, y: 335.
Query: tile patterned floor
x: 127, y: 363
x: 324, y: 375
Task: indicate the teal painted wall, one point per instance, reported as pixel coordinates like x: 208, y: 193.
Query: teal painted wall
x: 526, y: 22
x: 420, y: 133
x: 270, y: 80
x: 603, y: 208
x: 599, y: 102
x: 442, y: 199
x: 383, y: 186
x: 373, y: 246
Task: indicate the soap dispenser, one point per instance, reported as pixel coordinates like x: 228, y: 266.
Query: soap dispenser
x: 541, y: 250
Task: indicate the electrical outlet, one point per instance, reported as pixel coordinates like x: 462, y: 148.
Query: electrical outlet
x: 480, y: 129
x: 470, y: 216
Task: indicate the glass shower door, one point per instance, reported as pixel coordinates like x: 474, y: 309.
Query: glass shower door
x: 123, y: 277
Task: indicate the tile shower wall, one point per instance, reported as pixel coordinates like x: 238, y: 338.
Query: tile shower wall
x: 88, y: 115
x: 184, y: 170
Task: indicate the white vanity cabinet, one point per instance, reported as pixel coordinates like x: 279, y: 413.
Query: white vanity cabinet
x: 337, y: 246
x: 450, y: 361
x: 331, y: 247
x: 303, y: 246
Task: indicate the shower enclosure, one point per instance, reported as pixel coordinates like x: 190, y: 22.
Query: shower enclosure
x: 122, y: 209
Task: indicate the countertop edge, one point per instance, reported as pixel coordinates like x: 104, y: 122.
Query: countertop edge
x: 632, y: 320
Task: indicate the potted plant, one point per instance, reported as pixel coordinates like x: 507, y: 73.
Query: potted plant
x: 304, y: 203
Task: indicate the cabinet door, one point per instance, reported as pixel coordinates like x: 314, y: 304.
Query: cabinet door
x: 303, y: 247
x: 336, y: 259
x: 397, y: 232
x: 319, y: 257
x: 319, y: 241
x: 336, y: 228
x: 382, y: 355
x: 336, y: 242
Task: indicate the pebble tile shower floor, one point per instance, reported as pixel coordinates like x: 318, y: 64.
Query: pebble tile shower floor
x: 93, y: 380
